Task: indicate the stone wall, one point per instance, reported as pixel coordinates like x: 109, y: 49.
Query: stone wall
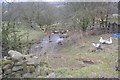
x: 24, y: 66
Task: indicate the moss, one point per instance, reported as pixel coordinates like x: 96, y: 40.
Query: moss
x: 43, y: 63
x: 17, y: 75
x: 24, y: 68
x: 30, y: 69
x: 4, y: 62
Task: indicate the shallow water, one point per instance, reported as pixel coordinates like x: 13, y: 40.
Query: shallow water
x: 48, y: 44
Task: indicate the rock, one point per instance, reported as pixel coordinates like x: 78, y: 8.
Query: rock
x: 8, y: 71
x: 37, y: 71
x: 24, y: 68
x: 6, y: 58
x: 17, y: 68
x: 14, y: 75
x: 30, y: 69
x: 8, y: 66
x: 88, y: 61
x: 19, y: 57
x: 117, y: 68
x: 16, y: 55
x: 20, y: 63
x: 93, y: 50
x: 0, y: 77
x: 81, y: 62
x: 18, y: 75
x: 69, y: 76
x: 30, y: 56
x: 27, y: 75
x: 112, y: 66
x: 39, y: 76
x: 32, y: 61
x: 0, y: 71
x: 43, y: 63
x: 51, y: 75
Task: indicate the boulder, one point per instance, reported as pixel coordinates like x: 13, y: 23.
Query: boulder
x: 17, y: 68
x: 32, y: 60
x: 26, y: 75
x: 6, y: 58
x: 8, y: 71
x: 8, y: 66
x: 19, y: 57
x: 0, y: 77
x: 16, y: 55
x: 0, y: 71
x: 20, y: 63
x: 37, y: 71
x: 29, y: 69
x: 18, y: 75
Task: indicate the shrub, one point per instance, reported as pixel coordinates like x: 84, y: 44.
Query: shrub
x: 11, y: 38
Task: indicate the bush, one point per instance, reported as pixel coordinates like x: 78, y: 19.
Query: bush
x: 11, y: 38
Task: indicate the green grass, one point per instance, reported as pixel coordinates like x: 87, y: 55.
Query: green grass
x: 103, y: 59
x: 2, y: 62
x: 113, y: 20
x: 92, y: 71
x: 33, y: 34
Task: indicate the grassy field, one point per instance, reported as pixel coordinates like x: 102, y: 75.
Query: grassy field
x: 79, y: 61
x: 34, y: 35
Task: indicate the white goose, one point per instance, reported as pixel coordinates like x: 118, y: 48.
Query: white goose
x: 102, y: 40
x: 109, y: 41
x: 97, y: 45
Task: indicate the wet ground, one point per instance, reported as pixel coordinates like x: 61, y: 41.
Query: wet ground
x: 49, y: 44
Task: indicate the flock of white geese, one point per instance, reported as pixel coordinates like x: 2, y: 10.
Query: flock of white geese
x: 102, y: 41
